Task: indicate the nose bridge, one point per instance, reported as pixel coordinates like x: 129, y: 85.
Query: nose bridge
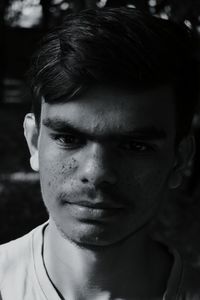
x: 96, y: 167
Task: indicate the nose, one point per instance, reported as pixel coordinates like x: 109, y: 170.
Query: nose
x: 96, y: 168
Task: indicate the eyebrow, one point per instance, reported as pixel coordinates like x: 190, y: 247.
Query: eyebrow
x: 63, y: 126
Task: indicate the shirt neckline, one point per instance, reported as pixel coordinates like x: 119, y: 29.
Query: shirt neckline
x: 43, y: 280
x: 49, y: 291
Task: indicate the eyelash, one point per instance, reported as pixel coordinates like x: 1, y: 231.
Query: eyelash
x: 61, y: 139
x: 77, y: 142
x: 134, y: 146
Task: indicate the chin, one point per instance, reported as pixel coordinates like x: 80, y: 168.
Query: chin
x: 95, y: 237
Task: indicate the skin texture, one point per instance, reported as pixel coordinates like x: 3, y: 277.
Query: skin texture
x: 106, y: 162
x: 125, y: 173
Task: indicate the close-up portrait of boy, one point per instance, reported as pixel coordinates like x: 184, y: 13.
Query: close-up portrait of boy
x: 114, y: 94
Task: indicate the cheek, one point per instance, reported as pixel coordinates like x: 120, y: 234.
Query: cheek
x: 55, y: 171
x: 152, y: 181
x: 146, y: 184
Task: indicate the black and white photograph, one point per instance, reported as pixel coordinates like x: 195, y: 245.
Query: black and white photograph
x: 99, y: 150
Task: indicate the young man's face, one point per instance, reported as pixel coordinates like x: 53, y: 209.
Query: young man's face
x: 105, y: 161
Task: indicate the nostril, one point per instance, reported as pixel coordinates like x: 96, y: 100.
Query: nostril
x: 85, y: 180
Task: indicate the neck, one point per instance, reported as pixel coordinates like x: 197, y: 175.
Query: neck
x: 81, y: 272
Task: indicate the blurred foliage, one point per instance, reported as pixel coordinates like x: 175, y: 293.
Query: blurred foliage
x: 187, y: 11
x: 45, y: 13
x: 21, y: 208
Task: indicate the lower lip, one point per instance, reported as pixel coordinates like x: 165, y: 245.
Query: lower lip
x: 90, y: 213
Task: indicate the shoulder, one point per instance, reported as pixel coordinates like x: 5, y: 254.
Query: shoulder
x: 190, y: 284
x: 15, y: 256
x: 184, y: 280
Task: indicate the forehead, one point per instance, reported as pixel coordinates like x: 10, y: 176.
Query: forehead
x: 111, y: 108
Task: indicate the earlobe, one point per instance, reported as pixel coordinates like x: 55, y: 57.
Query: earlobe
x: 34, y: 162
x: 183, y: 158
x: 175, y: 179
x: 31, y: 135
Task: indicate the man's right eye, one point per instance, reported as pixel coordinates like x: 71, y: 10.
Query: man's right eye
x: 68, y: 141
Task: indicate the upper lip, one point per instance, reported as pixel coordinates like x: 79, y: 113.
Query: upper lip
x: 97, y: 205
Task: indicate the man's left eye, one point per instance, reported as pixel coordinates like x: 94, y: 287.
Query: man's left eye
x: 136, y: 146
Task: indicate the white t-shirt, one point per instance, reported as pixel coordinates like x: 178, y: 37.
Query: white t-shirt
x: 23, y: 275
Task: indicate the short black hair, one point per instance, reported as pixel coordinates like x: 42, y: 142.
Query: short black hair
x: 117, y: 45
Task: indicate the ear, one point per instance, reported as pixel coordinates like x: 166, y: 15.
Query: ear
x: 185, y: 151
x: 31, y: 135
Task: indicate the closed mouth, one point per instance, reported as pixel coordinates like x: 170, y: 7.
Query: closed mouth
x: 97, y: 205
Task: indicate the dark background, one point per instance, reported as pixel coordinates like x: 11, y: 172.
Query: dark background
x: 22, y: 23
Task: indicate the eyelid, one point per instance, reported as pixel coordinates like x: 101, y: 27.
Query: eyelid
x: 59, y: 136
x: 65, y: 132
x: 149, y: 145
x: 56, y: 135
